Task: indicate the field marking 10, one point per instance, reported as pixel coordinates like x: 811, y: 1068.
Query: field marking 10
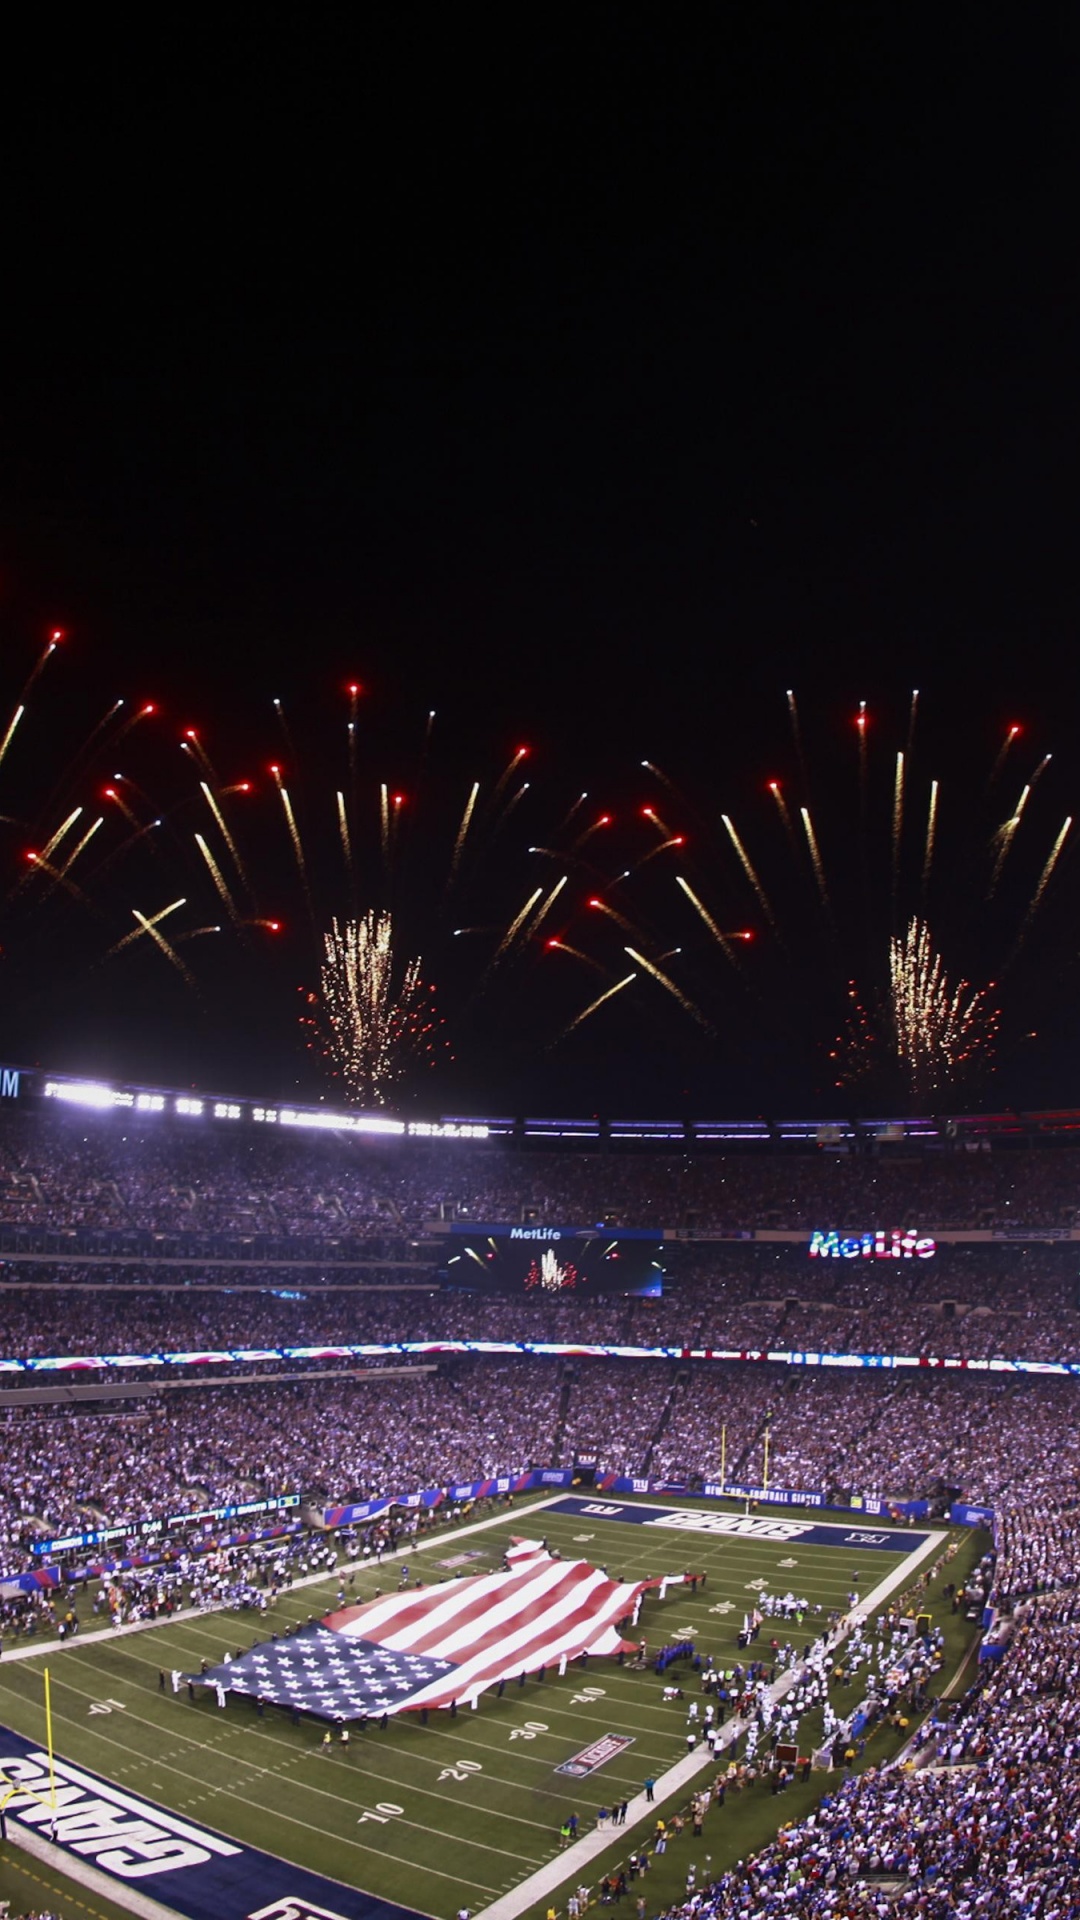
x: 382, y: 1811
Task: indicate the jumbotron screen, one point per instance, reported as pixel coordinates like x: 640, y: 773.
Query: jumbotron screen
x: 554, y: 1262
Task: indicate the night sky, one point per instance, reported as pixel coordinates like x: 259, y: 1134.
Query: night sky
x: 590, y: 378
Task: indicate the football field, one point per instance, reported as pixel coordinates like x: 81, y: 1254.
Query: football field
x: 462, y: 1811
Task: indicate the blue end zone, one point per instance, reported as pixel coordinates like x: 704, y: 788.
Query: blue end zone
x: 192, y: 1870
x: 744, y: 1526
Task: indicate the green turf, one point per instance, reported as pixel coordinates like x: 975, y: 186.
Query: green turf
x: 438, y: 1817
x: 749, y: 1820
x: 32, y: 1888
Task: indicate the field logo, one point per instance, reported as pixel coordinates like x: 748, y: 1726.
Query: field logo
x: 125, y: 1835
x: 748, y: 1526
x: 294, y: 1909
x: 596, y: 1755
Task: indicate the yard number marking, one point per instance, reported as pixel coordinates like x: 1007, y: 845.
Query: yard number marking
x: 461, y: 1770
x: 382, y: 1811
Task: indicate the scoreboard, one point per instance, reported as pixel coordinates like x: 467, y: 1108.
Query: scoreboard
x: 551, y: 1262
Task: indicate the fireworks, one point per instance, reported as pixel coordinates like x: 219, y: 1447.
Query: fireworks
x: 850, y: 908
x: 79, y: 876
x: 937, y: 1028
x: 372, y: 1014
x: 934, y: 1030
x: 882, y: 896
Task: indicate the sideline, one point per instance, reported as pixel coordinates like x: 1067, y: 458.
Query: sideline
x: 572, y: 1861
x: 88, y: 1877
x: 35, y: 1647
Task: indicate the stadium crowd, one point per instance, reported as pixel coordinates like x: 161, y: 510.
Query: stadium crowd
x: 121, y: 1172
x: 981, y: 1821
x: 335, y: 1439
x: 722, y: 1299
x: 986, y: 1823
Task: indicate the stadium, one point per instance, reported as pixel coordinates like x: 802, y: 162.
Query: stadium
x: 540, y: 967
x: 322, y: 1431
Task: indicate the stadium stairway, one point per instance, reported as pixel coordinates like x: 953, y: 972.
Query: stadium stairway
x: 680, y: 1381
x: 560, y: 1417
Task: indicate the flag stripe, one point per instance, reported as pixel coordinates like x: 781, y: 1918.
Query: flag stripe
x: 399, y: 1611
x: 517, y: 1611
x: 571, y: 1634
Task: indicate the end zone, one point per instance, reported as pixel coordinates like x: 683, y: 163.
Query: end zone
x: 747, y: 1526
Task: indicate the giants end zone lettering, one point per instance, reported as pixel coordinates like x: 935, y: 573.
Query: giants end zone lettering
x: 122, y: 1834
x: 748, y: 1525
x: 293, y: 1909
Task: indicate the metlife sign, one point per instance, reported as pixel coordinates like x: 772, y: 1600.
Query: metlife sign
x: 832, y: 1245
x: 190, y: 1870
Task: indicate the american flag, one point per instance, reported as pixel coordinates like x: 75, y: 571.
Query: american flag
x: 443, y: 1645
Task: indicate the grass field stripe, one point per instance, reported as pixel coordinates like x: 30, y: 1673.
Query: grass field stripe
x: 272, y: 1774
x: 447, y: 1735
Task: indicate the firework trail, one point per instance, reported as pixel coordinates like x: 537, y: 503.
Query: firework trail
x: 815, y: 856
x: 151, y: 920
x: 555, y: 945
x: 777, y: 793
x: 594, y: 1005
x: 931, y: 834
x: 20, y: 709
x: 1012, y: 734
x: 466, y: 819
x: 601, y: 906
x: 346, y: 838
x: 81, y: 846
x: 545, y: 907
x: 1041, y: 886
x: 1005, y: 836
x: 223, y: 828
x: 723, y: 940
x: 750, y: 871
x: 897, y: 824
x: 148, y: 926
x: 517, y: 923
x: 668, y: 983
x: 796, y: 734
x: 293, y: 831
x: 574, y: 808
x: 913, y: 714
x: 219, y: 880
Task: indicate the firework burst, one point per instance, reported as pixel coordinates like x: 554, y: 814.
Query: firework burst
x: 372, y: 1015
x: 938, y: 1032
